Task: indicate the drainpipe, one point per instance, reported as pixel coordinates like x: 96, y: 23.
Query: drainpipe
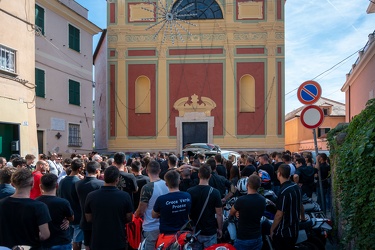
x: 350, y: 118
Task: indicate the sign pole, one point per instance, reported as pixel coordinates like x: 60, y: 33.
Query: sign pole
x: 319, y: 174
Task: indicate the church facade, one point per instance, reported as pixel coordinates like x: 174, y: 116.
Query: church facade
x: 193, y: 71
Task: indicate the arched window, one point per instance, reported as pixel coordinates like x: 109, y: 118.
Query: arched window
x: 204, y: 9
x: 247, y: 94
x: 142, y: 95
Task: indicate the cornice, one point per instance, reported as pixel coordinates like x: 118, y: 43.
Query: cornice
x: 70, y: 15
x: 364, y: 58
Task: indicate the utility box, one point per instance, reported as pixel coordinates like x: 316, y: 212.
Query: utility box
x: 15, y: 145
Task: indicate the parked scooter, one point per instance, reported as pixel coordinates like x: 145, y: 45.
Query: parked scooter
x: 306, y: 237
x: 322, y: 227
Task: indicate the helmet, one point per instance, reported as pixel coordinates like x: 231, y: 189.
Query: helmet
x: 242, y: 185
x: 264, y: 176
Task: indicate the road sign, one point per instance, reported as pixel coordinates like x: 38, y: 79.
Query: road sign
x: 312, y: 116
x: 309, y: 92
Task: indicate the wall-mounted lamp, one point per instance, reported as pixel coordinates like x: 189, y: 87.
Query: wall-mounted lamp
x: 58, y: 135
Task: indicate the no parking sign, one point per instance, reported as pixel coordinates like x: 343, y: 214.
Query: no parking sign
x: 309, y: 92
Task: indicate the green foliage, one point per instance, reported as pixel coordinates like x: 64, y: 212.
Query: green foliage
x: 354, y: 177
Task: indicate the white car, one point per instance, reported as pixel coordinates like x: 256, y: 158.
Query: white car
x: 210, y: 150
x: 226, y: 154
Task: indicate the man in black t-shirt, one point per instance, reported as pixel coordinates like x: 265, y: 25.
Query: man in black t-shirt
x: 304, y: 176
x: 67, y: 190
x: 276, y: 165
x: 109, y: 209
x: 220, y: 169
x: 172, y: 208
x: 127, y: 181
x: 141, y: 181
x: 186, y: 181
x: 172, y: 164
x: 60, y: 212
x: 211, y: 227
x: 284, y: 230
x: 249, y: 233
x: 23, y: 221
x: 250, y: 166
x: 223, y: 185
x: 325, y: 174
x: 83, y: 188
x: 266, y: 166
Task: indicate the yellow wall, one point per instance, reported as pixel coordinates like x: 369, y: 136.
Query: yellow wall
x: 268, y: 33
x: 295, y: 132
x: 17, y: 100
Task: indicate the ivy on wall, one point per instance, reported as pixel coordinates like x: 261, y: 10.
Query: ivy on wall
x: 352, y: 149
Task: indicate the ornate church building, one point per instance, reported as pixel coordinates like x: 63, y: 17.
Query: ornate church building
x: 187, y: 71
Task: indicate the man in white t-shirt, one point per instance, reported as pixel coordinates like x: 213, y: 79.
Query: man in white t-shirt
x: 287, y: 159
x: 149, y: 193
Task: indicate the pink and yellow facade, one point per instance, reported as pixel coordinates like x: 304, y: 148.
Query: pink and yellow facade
x: 223, y: 84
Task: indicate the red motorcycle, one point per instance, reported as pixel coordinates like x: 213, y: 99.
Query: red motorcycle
x: 183, y: 240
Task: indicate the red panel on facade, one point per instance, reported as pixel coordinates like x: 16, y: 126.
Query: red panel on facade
x: 202, y: 79
x: 112, y: 13
x: 112, y: 101
x: 280, y: 113
x: 174, y: 52
x: 250, y: 51
x: 279, y: 9
x: 279, y: 51
x: 112, y: 53
x: 141, y: 124
x: 141, y: 52
x: 252, y: 123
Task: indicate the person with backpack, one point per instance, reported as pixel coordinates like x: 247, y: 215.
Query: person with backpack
x: 304, y: 176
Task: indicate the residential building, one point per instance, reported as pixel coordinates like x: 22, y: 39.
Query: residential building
x: 359, y: 86
x: 17, y: 79
x: 204, y: 71
x: 64, y: 77
x: 299, y: 138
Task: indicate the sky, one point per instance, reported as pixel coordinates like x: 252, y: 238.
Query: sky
x: 321, y: 41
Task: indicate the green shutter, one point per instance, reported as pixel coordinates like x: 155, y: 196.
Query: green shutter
x: 40, y: 82
x: 74, y: 38
x: 74, y: 93
x: 39, y: 17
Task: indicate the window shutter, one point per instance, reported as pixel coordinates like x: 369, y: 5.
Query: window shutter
x: 74, y: 38
x: 40, y: 83
x: 39, y: 17
x: 74, y: 92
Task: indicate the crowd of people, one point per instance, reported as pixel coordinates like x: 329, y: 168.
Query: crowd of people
x: 62, y: 203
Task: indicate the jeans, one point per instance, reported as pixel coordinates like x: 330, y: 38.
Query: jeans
x: 76, y: 233
x: 204, y: 241
x: 326, y: 196
x: 150, y: 239
x: 254, y: 244
x: 61, y: 247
